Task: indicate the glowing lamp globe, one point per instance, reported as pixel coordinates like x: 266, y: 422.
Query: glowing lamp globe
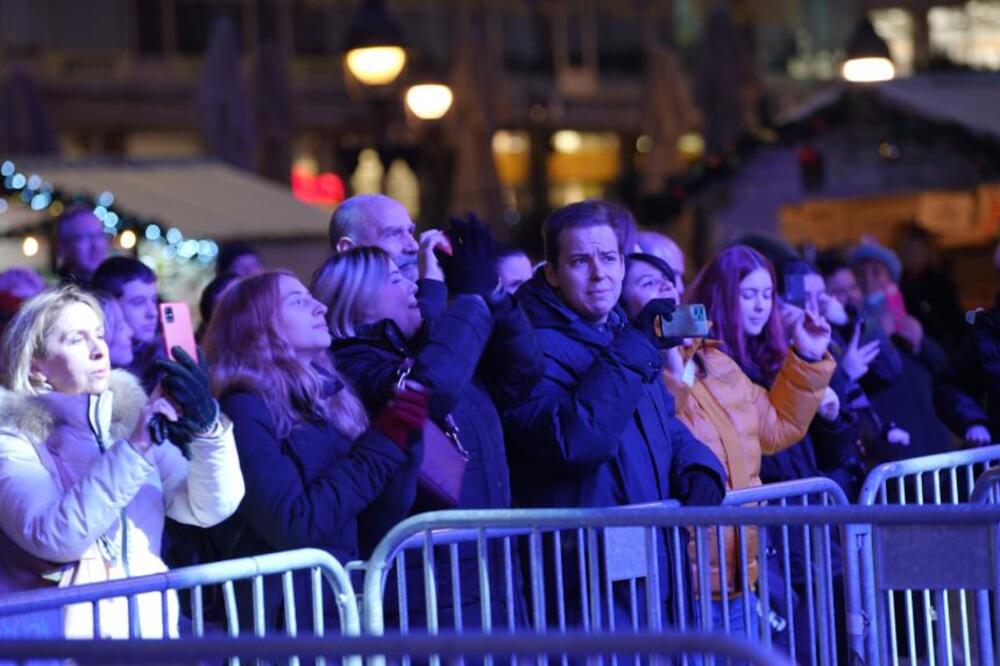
x: 376, y: 65
x: 429, y: 101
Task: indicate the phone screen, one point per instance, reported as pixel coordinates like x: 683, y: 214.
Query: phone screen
x: 175, y: 318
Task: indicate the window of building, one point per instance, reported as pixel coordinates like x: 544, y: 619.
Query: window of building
x: 582, y: 165
x: 896, y: 26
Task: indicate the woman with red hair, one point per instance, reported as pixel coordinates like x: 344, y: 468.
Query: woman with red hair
x: 717, y: 399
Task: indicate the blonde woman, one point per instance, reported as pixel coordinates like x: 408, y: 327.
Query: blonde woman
x: 312, y: 461
x: 83, y: 489
x: 478, y: 353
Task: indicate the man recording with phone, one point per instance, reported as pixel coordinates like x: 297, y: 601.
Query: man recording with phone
x: 599, y: 428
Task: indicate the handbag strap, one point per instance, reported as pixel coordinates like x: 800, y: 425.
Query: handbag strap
x: 450, y: 428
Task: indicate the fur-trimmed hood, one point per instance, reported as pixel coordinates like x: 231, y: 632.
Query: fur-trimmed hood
x: 116, y: 411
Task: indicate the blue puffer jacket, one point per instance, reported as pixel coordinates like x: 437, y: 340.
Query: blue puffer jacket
x: 598, y: 430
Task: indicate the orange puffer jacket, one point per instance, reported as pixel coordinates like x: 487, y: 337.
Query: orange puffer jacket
x: 740, y: 420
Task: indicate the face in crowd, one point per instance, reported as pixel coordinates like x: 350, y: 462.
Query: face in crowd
x: 514, y: 270
x: 138, y: 303
x: 82, y: 243
x: 643, y: 283
x: 392, y: 230
x: 74, y: 357
x: 589, y: 271
x: 118, y: 335
x: 843, y: 286
x: 301, y: 319
x: 396, y: 299
x: 756, y: 292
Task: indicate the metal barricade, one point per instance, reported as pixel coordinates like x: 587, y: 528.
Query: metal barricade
x: 608, y: 575
x: 525, y: 648
x: 919, y: 620
x: 987, y: 488
x: 800, y: 593
x: 323, y: 569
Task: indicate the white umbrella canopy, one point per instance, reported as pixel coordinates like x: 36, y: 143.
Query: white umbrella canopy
x: 203, y: 199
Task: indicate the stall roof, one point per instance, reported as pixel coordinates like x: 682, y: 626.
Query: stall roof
x: 967, y: 99
x: 202, y: 198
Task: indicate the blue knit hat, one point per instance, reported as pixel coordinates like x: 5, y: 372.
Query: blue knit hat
x: 872, y: 251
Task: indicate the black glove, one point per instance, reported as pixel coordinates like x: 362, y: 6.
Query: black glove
x: 471, y: 268
x: 696, y: 486
x: 645, y: 321
x: 185, y: 383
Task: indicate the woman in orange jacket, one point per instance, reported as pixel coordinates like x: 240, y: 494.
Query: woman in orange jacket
x: 737, y: 419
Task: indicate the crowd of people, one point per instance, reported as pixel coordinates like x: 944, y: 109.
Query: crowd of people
x: 318, y: 415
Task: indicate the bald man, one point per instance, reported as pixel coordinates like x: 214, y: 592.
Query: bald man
x: 375, y: 220
x: 664, y: 247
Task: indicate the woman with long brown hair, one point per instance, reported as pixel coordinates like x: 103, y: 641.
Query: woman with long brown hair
x: 312, y: 461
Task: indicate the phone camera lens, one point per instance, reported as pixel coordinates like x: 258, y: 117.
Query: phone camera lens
x: 168, y: 314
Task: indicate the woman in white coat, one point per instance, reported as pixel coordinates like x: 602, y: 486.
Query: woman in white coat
x: 84, y: 489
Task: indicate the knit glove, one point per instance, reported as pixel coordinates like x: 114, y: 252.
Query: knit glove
x: 645, y: 321
x: 185, y: 383
x: 471, y: 268
x: 402, y: 419
x: 696, y: 486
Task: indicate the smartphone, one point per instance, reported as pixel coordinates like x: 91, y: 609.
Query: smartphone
x: 689, y: 321
x: 795, y: 291
x: 175, y: 318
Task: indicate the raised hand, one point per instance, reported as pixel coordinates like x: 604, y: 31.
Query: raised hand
x: 857, y: 358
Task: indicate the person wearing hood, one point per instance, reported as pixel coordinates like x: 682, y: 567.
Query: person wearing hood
x: 599, y: 429
x: 474, y: 358
x: 84, y: 488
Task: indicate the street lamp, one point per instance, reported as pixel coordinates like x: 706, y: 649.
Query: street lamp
x: 868, y: 57
x: 374, y: 49
x: 429, y: 101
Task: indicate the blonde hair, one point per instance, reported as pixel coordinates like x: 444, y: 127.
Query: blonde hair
x: 24, y: 338
x: 247, y: 352
x: 346, y: 284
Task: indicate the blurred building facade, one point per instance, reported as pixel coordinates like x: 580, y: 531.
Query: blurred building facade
x: 571, y: 108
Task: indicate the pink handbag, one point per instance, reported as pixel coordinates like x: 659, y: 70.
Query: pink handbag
x: 442, y: 471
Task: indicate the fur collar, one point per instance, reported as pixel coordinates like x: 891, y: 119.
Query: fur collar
x: 118, y: 408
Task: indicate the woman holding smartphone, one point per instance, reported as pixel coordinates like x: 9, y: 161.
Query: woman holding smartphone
x: 721, y: 405
x: 84, y: 489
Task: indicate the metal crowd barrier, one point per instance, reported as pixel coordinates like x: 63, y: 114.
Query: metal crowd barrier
x: 524, y: 648
x: 921, y: 620
x: 324, y: 570
x: 606, y: 564
x: 987, y: 488
x: 803, y: 564
x: 627, y: 540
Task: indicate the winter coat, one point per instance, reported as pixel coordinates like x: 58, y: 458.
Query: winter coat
x: 739, y: 420
x: 923, y: 399
x: 304, y: 490
x: 599, y: 429
x: 978, y: 364
x: 78, y: 504
x: 471, y: 359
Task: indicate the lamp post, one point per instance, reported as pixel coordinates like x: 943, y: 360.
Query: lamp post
x: 868, y: 58
x: 374, y: 53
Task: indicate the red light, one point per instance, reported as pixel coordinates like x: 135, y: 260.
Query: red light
x: 324, y: 189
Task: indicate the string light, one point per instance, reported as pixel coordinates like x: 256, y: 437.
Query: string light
x: 42, y: 197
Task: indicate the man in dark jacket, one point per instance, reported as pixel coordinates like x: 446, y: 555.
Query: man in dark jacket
x: 599, y: 429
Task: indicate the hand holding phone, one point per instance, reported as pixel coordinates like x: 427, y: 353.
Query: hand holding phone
x: 175, y: 320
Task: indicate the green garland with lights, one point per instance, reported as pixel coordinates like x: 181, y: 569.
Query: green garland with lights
x: 41, y: 196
